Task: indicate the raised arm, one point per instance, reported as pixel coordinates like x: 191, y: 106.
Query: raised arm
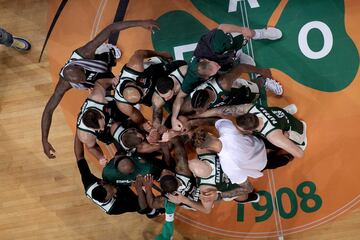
x: 60, y: 89
x: 278, y: 138
x: 88, y: 50
x: 157, y: 104
x: 152, y: 201
x: 134, y: 114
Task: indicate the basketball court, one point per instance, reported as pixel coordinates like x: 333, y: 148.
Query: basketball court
x: 317, y: 62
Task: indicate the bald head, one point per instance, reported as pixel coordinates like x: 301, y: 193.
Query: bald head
x: 74, y: 73
x: 200, y: 168
x: 125, y: 166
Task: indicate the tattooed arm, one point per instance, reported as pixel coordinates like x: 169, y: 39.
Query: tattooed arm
x: 234, y: 110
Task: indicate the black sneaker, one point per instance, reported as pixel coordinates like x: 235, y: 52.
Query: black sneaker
x: 157, y: 212
x: 252, y: 197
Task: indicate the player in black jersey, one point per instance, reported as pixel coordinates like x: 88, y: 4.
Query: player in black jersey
x: 85, y: 67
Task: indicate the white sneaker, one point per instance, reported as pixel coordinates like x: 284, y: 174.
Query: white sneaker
x: 291, y: 109
x: 273, y: 86
x: 269, y: 33
x: 105, y: 47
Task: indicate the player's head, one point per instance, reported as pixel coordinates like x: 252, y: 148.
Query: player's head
x: 200, y: 168
x: 169, y: 183
x: 201, y: 138
x: 200, y: 100
x: 207, y: 68
x: 247, y: 123
x: 74, y: 73
x: 131, y: 138
x: 102, y: 192
x: 131, y: 92
x: 124, y: 164
x: 94, y: 119
x: 165, y: 87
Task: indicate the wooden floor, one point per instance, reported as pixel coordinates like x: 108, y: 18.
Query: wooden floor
x: 42, y: 198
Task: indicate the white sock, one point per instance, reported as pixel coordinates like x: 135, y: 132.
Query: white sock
x: 257, y: 34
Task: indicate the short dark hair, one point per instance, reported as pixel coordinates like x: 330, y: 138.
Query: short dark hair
x: 200, y: 138
x: 91, y: 118
x: 168, y: 183
x: 164, y: 84
x: 99, y: 193
x: 199, y: 98
x: 247, y: 121
x: 130, y: 139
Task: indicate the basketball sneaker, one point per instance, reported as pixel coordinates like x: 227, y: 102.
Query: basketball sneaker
x: 269, y: 33
x: 21, y: 44
x: 291, y: 109
x: 252, y: 197
x: 273, y: 86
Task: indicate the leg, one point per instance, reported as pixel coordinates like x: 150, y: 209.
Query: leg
x: 276, y: 160
x: 5, y: 38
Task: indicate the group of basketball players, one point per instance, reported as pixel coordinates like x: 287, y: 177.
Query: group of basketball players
x: 188, y: 100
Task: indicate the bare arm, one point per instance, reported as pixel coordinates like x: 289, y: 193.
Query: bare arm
x: 244, y: 188
x: 88, y: 50
x: 227, y: 79
x: 231, y: 28
x: 278, y: 138
x: 157, y: 104
x: 181, y: 158
x: 141, y: 195
x: 60, y: 89
x: 147, y: 148
x: 179, y: 198
x: 90, y: 141
x: 78, y: 148
x: 134, y: 114
x: 234, y: 110
x: 176, y: 124
x: 136, y: 61
x: 153, y: 202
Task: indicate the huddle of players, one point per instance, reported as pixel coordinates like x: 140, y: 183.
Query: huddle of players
x: 192, y: 94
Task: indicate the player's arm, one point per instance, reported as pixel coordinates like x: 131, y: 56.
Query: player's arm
x: 134, y: 114
x: 244, y: 188
x: 199, y: 205
x: 60, y: 89
x: 231, y: 28
x: 90, y: 141
x: 157, y: 104
x: 208, y: 121
x: 227, y: 79
x: 141, y: 195
x: 88, y: 50
x: 179, y: 100
x: 152, y: 201
x: 147, y: 147
x: 181, y: 157
x: 277, y: 138
x: 136, y: 62
x: 234, y: 110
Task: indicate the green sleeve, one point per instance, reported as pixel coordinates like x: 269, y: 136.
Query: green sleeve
x: 168, y: 227
x: 191, y: 79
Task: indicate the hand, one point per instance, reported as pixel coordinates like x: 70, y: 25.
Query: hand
x: 248, y: 34
x: 177, y: 198
x: 176, y: 124
x: 161, y: 129
x: 49, y: 150
x: 153, y: 136
x: 147, y: 181
x: 266, y: 73
x: 167, y: 136
x: 147, y: 126
x: 115, y: 81
x: 150, y: 24
x: 103, y: 161
x: 138, y: 182
x: 186, y: 123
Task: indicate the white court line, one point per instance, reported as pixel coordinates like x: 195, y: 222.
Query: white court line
x: 98, y: 17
